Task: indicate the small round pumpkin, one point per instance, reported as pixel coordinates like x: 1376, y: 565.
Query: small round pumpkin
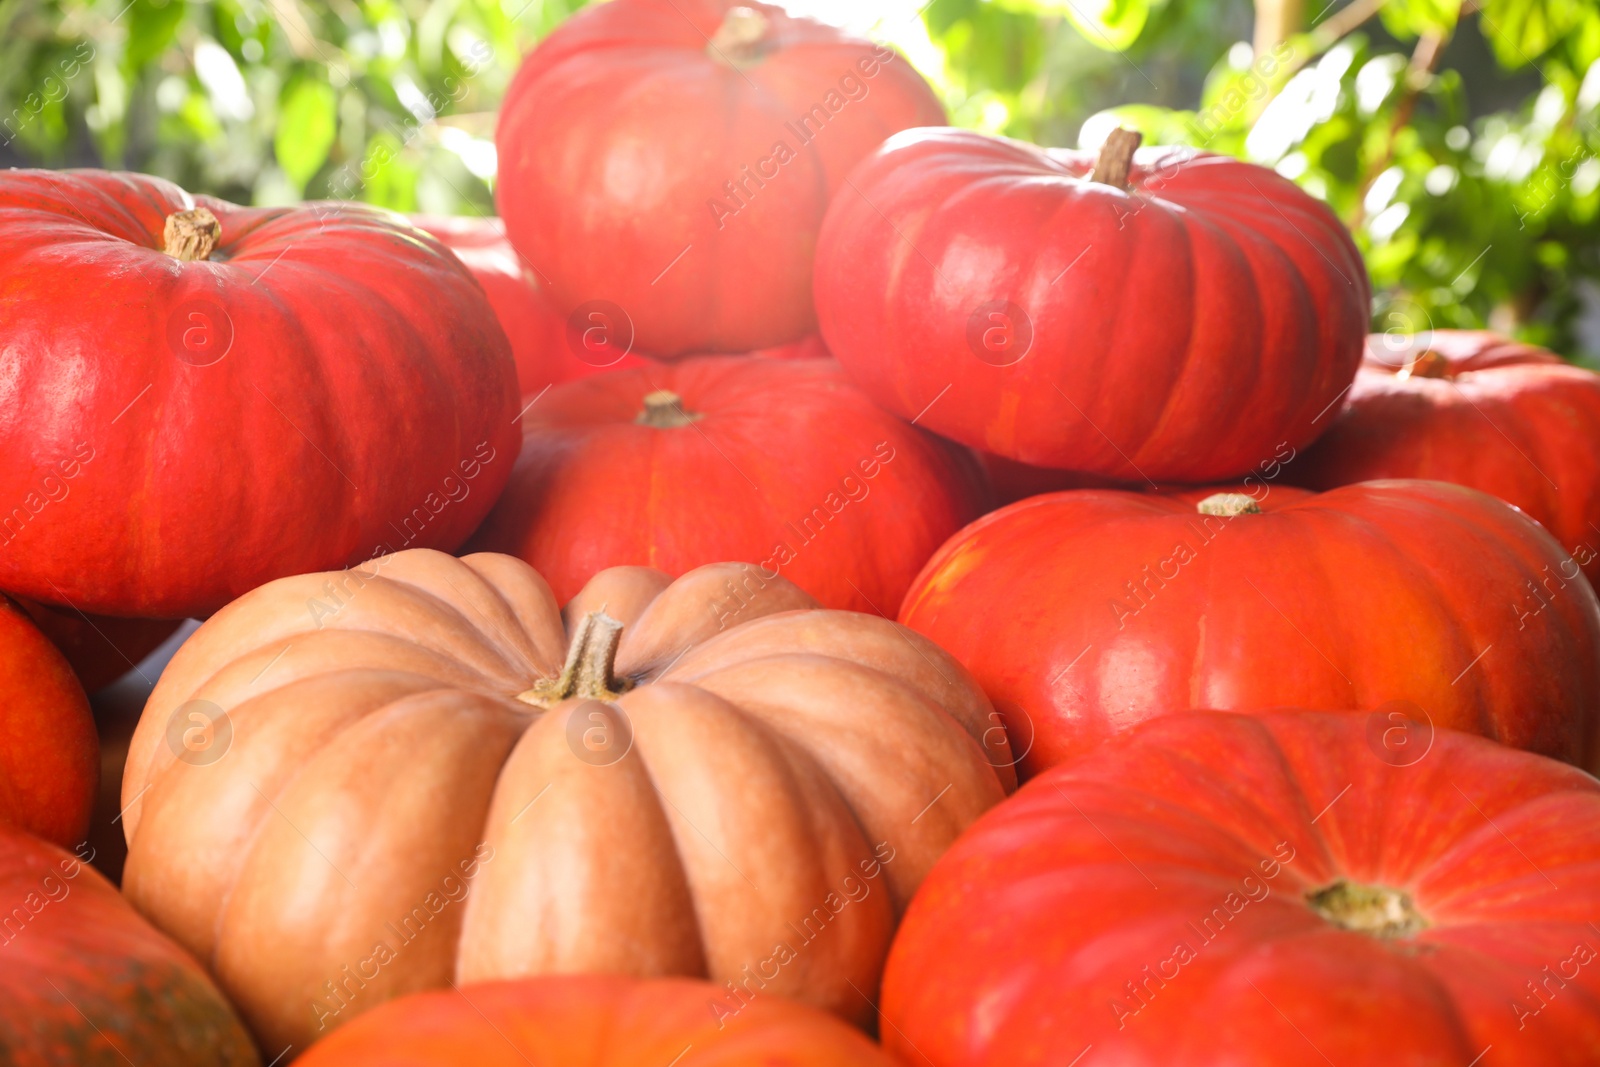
x: 783, y: 463
x: 1478, y: 409
x: 85, y: 981
x: 594, y: 1021
x: 49, y: 756
x: 1295, y: 888
x: 1085, y: 611
x: 199, y: 397
x: 667, y: 163
x: 422, y: 772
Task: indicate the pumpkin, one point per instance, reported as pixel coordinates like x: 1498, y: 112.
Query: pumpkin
x: 1215, y: 889
x: 592, y: 1021
x: 1086, y: 611
x: 1170, y: 316
x: 87, y: 982
x: 49, y: 758
x: 666, y: 163
x: 423, y: 772
x: 544, y: 352
x: 1477, y: 409
x: 98, y: 648
x: 253, y: 392
x: 782, y: 463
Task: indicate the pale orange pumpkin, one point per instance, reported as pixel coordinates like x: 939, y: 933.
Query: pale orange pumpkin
x: 434, y: 775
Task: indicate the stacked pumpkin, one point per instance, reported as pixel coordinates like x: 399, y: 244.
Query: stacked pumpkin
x: 703, y: 748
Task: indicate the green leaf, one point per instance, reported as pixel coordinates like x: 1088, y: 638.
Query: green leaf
x: 152, y: 26
x: 1109, y: 24
x: 1408, y: 19
x: 307, y: 122
x: 1522, y: 30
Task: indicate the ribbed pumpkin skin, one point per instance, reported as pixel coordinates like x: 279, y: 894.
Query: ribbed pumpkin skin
x: 592, y: 1021
x: 1215, y: 311
x: 85, y: 982
x: 385, y: 786
x: 789, y: 466
x: 1055, y: 923
x: 622, y: 129
x: 305, y: 398
x: 1086, y: 611
x: 49, y: 755
x: 1511, y: 419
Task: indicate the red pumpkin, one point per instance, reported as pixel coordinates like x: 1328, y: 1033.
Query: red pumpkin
x: 49, y: 758
x: 1477, y: 409
x: 1281, y: 890
x: 100, y: 649
x: 1084, y: 612
x: 85, y: 981
x: 253, y: 392
x: 593, y: 1021
x: 782, y: 463
x: 544, y: 352
x: 1172, y: 318
x: 666, y: 163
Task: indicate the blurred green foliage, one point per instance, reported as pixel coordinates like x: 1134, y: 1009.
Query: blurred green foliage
x: 267, y: 101
x: 1458, y: 139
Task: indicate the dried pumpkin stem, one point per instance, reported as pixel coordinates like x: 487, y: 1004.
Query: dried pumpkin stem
x: 587, y: 674
x: 1367, y: 909
x: 1428, y: 365
x: 741, y: 40
x: 191, y: 235
x: 663, y: 410
x: 1229, y: 505
x: 1111, y: 167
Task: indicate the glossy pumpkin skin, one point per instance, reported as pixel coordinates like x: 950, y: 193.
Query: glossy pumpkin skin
x: 592, y: 1021
x: 49, y: 756
x: 308, y: 396
x: 1477, y: 409
x: 100, y: 649
x: 87, y: 982
x: 785, y: 464
x: 1154, y: 901
x: 644, y: 131
x: 1176, y: 331
x: 385, y: 757
x: 1084, y: 612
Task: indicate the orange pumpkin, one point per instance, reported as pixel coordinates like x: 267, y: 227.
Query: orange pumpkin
x: 49, y: 757
x: 433, y: 775
x: 85, y: 982
x: 593, y: 1021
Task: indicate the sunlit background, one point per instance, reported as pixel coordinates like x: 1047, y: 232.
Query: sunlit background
x: 1458, y: 140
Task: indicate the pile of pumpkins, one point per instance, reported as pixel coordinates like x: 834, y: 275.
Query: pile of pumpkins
x: 628, y: 624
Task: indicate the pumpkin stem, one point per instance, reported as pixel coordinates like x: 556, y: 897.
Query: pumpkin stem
x: 663, y: 410
x: 191, y: 235
x: 1116, y: 158
x: 1228, y: 505
x: 1367, y: 909
x: 741, y: 40
x: 587, y: 674
x: 1428, y: 365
